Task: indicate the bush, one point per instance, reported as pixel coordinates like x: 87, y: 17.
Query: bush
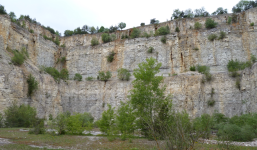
x: 94, y: 41
x: 146, y: 35
x: 196, y: 48
x: 124, y: 36
x: 135, y: 33
x: 60, y: 122
x: 47, y: 38
x: 235, y: 65
x: 32, y: 85
x: 222, y: 35
x: 74, y: 125
x: 229, y: 20
x: 198, y: 25
x: 164, y: 39
x: 230, y: 132
x: 106, y: 123
x: 142, y: 24
x: 203, y: 69
x: 150, y: 50
x: 19, y: 116
x: 104, y: 76
x: 63, y: 45
x: 209, y: 23
x: 123, y: 74
x: 89, y: 78
x: 77, y: 77
x: 253, y: 58
x: 106, y: 38
x: 31, y: 31
x: 211, y: 102
x: 238, y: 85
x: 203, y: 125
x: 252, y: 24
x: 163, y: 30
x: 177, y: 29
x: 110, y: 57
x: 212, y: 37
x: 38, y: 128
x: 192, y: 68
x: 2, y: 10
x: 18, y: 58
x: 64, y: 74
x: 63, y: 59
x: 57, y: 41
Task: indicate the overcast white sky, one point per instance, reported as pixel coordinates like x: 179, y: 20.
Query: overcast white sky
x: 70, y: 14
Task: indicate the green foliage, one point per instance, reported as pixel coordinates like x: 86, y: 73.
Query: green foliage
x: 164, y: 39
x: 211, y: 102
x: 50, y: 117
x: 47, y: 38
x: 252, y: 24
x: 110, y: 57
x: 64, y: 74
x: 106, y: 37
x: 74, y: 125
x: 203, y: 69
x: 123, y: 74
x: 122, y: 25
x: 142, y: 24
x: 60, y: 122
x: 18, y: 58
x: 220, y: 11
x: 19, y: 116
x: 77, y: 77
x: 198, y: 26
x: 238, y: 84
x: 38, y: 128
x: 104, y: 76
x: 163, y: 30
x: 63, y: 45
x: 50, y: 29
x: 229, y: 20
x: 1, y: 120
x: 209, y: 23
x: 212, y: 37
x: 235, y: 65
x: 192, y: 68
x: 32, y: 85
x: 101, y: 29
x: 253, y: 58
x: 57, y: 41
x: 2, y: 10
x: 243, y: 5
x: 135, y: 33
x: 124, y: 36
x: 203, y: 125
x: 23, y: 24
x: 125, y: 120
x: 177, y: 29
x: 150, y: 50
x: 94, y: 41
x: 147, y: 96
x: 145, y: 34
x: 89, y: 78
x: 63, y: 60
x: 68, y: 33
x: 106, y: 123
x: 222, y: 35
x: 31, y: 31
x: 154, y: 21
x: 196, y: 49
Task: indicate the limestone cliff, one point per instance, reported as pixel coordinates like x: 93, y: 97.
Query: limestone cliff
x: 176, y: 56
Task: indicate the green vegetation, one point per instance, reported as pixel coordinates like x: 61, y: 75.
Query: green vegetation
x: 220, y: 11
x: 211, y: 102
x: 196, y: 48
x: 163, y: 30
x: 135, y: 33
x: 209, y: 23
x: 212, y: 37
x: 19, y: 57
x: 192, y: 68
x: 142, y: 24
x: 206, y: 71
x: 19, y: 116
x: 122, y: 25
x: 57, y: 41
x: 104, y: 76
x: 89, y: 78
x: 244, y: 5
x: 150, y: 50
x: 47, y: 38
x: 106, y: 38
x: 110, y: 57
x: 198, y: 26
x: 32, y: 85
x: 63, y: 45
x: 94, y: 41
x: 177, y: 29
x: 77, y: 77
x: 145, y: 34
x: 2, y: 10
x: 124, y: 36
x: 64, y: 74
x: 222, y: 35
x: 164, y: 39
x: 123, y: 74
x: 235, y: 65
x: 229, y: 20
x: 63, y: 60
x: 252, y: 24
x: 31, y: 31
x: 106, y: 123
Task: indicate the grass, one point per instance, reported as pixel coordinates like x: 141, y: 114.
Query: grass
x: 22, y: 139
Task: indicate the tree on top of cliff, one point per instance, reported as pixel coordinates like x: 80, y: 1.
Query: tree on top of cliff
x: 2, y: 10
x: 244, y: 5
x: 153, y: 21
x: 201, y: 12
x: 122, y: 25
x: 220, y: 11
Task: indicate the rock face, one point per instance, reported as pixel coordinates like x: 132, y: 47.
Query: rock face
x: 176, y: 56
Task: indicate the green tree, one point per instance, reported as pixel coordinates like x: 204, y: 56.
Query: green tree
x: 106, y: 123
x: 142, y: 24
x: 244, y: 5
x: 101, y: 29
x: 32, y: 85
x: 92, y: 30
x: 122, y: 25
x: 123, y: 74
x: 220, y: 11
x: 201, y: 12
x: 209, y: 23
x: 135, y: 33
x: 106, y: 38
x: 68, y: 33
x: 12, y: 16
x: 147, y: 95
x: 2, y: 10
x: 176, y: 14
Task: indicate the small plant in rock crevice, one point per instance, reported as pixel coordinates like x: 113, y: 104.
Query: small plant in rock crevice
x: 104, y: 76
x: 110, y: 57
x: 77, y: 77
x: 150, y: 50
x: 164, y: 39
x: 123, y: 74
x: 32, y: 85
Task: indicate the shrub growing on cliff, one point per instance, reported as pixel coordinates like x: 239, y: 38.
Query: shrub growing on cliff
x: 212, y: 37
x: 104, y: 76
x: 94, y: 41
x: 19, y: 116
x: 209, y: 23
x: 122, y: 25
x: 32, y: 85
x: 222, y: 35
x: 229, y: 20
x: 177, y: 29
x: 2, y: 10
x: 106, y: 37
x: 31, y: 31
x: 252, y: 24
x: 164, y: 39
x: 110, y: 57
x: 135, y: 33
x: 89, y: 78
x: 77, y: 77
x: 123, y: 74
x: 192, y: 68
x: 18, y: 58
x: 163, y: 30
x: 150, y: 50
x: 64, y: 74
x: 198, y: 25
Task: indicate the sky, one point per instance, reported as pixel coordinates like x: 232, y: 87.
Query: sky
x: 64, y: 15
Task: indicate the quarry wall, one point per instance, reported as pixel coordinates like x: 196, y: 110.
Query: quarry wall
x: 176, y: 56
